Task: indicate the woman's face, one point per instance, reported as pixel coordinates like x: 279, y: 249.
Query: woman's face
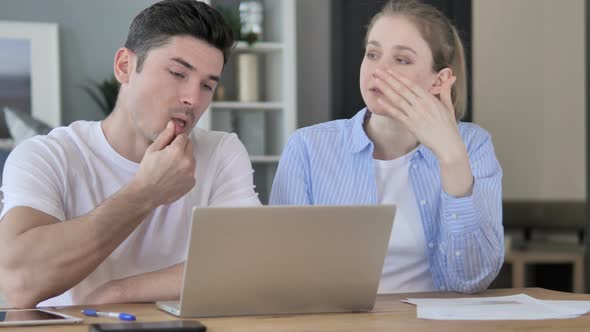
x: 394, y: 43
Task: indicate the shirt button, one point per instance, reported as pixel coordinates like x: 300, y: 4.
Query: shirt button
x: 414, y: 166
x: 422, y: 202
x: 431, y: 245
x: 454, y: 216
x: 457, y: 253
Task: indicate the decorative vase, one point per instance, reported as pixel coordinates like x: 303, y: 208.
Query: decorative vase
x: 250, y: 124
x: 248, y: 83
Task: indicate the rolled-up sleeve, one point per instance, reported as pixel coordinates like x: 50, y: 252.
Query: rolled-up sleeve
x: 472, y: 243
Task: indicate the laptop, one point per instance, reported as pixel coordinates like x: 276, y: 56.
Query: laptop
x: 274, y: 260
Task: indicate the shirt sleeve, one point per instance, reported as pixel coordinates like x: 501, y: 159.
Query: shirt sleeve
x: 31, y: 178
x: 472, y: 245
x: 291, y: 182
x: 234, y: 181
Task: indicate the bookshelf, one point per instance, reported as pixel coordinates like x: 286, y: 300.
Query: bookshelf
x: 263, y: 125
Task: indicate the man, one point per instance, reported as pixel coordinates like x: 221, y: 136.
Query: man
x: 99, y: 212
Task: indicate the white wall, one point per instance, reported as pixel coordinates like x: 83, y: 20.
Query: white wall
x: 90, y: 33
x: 529, y: 92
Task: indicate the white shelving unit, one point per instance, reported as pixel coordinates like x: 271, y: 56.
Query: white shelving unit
x: 254, y: 106
x: 263, y: 126
x: 259, y: 47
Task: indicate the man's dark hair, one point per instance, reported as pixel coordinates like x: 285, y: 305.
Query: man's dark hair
x: 155, y: 25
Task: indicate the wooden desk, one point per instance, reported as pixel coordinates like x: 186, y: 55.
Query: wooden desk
x: 389, y: 315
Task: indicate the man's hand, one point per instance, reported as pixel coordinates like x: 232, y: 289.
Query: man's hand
x: 167, y: 170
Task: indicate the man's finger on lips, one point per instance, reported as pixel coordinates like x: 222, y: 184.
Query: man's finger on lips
x: 165, y: 137
x: 180, y: 142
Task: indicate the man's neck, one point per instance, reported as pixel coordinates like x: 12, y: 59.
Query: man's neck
x: 123, y: 136
x: 390, y: 138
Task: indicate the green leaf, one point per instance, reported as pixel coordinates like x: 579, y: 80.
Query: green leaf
x: 104, y: 93
x: 232, y: 17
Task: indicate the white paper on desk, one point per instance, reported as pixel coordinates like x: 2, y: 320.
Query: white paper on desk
x: 581, y: 307
x: 519, y: 307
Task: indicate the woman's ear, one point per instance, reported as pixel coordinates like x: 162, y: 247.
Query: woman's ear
x: 442, y: 76
x: 123, y: 65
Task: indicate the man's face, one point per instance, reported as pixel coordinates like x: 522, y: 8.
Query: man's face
x: 176, y: 82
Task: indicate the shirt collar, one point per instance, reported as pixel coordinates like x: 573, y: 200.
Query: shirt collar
x: 358, y: 139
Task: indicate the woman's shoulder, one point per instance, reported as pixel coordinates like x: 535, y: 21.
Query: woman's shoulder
x: 330, y: 130
x: 326, y: 128
x: 473, y: 135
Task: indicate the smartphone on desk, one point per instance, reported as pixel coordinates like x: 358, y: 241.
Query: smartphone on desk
x: 166, y: 326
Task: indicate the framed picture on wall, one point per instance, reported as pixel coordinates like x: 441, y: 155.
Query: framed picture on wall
x: 29, y: 71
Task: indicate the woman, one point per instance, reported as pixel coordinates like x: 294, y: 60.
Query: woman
x: 409, y: 148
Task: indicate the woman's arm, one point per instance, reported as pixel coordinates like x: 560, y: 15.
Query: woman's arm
x: 469, y: 249
x: 471, y: 242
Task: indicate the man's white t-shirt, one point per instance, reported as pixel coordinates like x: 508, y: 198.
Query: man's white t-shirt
x: 406, y: 268
x: 74, y: 169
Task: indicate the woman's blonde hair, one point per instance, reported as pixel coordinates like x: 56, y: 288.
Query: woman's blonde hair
x: 441, y: 36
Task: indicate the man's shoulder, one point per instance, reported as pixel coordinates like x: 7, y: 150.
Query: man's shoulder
x: 82, y: 130
x: 61, y: 140
x: 78, y: 129
x: 211, y: 138
x: 207, y: 141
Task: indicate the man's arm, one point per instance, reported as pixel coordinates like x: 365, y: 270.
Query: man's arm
x: 41, y: 257
x: 234, y: 181
x: 161, y: 285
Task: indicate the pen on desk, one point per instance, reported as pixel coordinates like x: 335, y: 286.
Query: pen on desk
x: 120, y: 315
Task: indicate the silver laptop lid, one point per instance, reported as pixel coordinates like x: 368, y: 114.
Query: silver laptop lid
x: 285, y: 260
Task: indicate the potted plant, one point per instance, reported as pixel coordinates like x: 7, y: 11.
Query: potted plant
x: 104, y: 93
x: 232, y: 17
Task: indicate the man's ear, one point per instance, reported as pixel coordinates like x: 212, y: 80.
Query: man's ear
x: 442, y: 76
x: 124, y: 64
